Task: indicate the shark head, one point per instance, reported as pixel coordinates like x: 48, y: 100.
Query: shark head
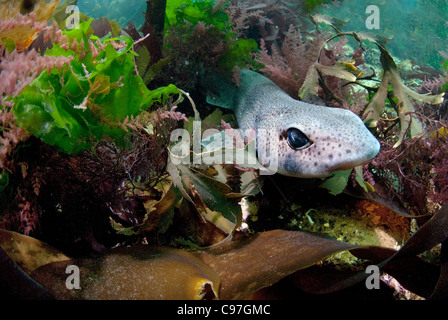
x: 313, y: 141
x: 294, y: 138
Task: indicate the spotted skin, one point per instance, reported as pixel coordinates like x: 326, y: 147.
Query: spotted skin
x: 339, y: 139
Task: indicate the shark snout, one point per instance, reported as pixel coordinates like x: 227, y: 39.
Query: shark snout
x: 358, y: 145
x: 339, y: 141
x: 373, y: 148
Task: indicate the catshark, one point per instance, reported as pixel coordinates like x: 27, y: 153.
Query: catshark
x: 310, y: 141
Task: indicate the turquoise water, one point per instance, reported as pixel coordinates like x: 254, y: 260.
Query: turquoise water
x: 120, y: 11
x: 419, y: 28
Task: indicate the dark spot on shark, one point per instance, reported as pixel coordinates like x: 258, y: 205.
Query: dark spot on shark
x: 291, y: 165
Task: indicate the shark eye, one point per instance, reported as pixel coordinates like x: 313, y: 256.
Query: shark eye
x: 297, y: 139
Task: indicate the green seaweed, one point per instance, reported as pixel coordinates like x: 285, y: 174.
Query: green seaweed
x: 81, y: 102
x: 239, y: 54
x: 180, y: 11
x: 239, y: 50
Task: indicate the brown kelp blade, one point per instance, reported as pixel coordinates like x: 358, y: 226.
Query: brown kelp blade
x: 247, y: 265
x: 237, y: 269
x: 16, y: 284
x: 134, y: 273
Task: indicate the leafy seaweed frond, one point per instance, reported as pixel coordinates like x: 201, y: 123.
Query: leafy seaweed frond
x: 86, y: 99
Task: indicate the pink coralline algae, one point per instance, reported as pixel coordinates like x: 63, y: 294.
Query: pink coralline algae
x: 17, y: 70
x: 174, y: 115
x: 288, y: 65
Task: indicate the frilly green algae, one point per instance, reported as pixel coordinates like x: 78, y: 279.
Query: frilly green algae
x: 88, y: 98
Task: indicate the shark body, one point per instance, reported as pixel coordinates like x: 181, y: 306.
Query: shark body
x: 310, y: 140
